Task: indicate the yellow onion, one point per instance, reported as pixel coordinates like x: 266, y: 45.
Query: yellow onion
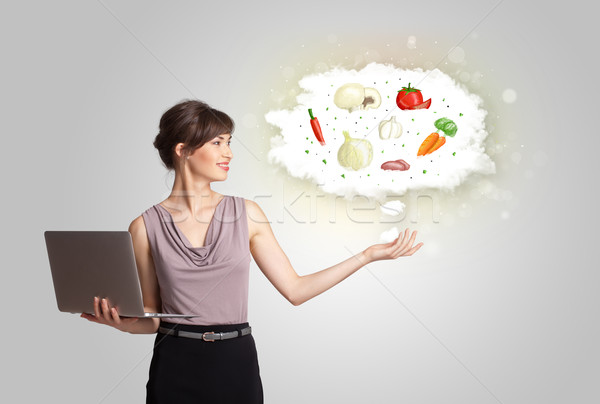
x: 355, y: 153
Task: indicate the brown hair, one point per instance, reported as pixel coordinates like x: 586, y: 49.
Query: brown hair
x: 193, y: 123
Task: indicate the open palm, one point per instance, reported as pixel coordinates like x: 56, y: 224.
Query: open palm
x: 400, y: 247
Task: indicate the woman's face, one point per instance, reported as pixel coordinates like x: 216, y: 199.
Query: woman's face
x: 212, y: 159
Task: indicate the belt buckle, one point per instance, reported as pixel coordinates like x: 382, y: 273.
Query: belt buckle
x: 204, y: 336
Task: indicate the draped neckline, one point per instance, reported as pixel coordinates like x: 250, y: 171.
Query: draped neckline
x: 208, y: 239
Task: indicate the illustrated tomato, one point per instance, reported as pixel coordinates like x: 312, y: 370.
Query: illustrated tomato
x: 408, y: 97
x: 411, y: 98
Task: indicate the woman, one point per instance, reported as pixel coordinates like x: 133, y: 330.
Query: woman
x: 193, y: 254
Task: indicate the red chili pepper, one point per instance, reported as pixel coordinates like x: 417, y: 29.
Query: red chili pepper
x: 314, y: 122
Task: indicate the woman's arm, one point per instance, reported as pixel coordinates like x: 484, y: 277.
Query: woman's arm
x: 104, y: 314
x: 276, y: 266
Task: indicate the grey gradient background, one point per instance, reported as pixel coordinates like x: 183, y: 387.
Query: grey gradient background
x: 490, y: 310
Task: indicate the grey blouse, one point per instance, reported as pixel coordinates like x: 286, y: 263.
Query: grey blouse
x: 211, y: 280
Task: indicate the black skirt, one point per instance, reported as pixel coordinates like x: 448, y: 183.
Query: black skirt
x: 185, y: 370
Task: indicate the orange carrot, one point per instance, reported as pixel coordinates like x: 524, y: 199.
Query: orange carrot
x: 437, y: 144
x: 428, y: 143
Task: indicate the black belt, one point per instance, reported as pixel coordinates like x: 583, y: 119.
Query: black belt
x: 209, y: 336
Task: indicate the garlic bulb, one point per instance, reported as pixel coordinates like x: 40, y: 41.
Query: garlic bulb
x: 390, y: 129
x: 355, y: 153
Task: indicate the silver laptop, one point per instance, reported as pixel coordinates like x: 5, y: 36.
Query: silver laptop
x: 85, y: 264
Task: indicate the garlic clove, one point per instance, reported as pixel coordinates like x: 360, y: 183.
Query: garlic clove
x: 384, y: 130
x: 389, y: 129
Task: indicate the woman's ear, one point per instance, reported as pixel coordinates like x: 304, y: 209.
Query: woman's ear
x: 179, y: 150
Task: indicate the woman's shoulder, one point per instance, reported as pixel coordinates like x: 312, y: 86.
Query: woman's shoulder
x: 255, y: 216
x: 251, y: 206
x: 137, y: 225
x: 138, y: 232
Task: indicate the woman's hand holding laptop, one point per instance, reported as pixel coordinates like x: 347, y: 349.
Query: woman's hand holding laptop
x: 104, y: 314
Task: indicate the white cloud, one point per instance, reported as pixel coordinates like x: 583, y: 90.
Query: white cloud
x: 444, y: 169
x: 389, y: 235
x: 393, y: 208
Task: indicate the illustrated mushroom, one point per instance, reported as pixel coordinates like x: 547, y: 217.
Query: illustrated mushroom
x: 354, y: 97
